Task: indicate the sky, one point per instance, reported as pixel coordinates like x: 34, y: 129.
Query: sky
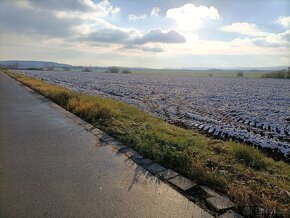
x: 147, y: 33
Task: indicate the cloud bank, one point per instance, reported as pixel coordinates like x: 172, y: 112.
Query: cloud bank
x: 132, y: 37
x: 190, y: 16
x: 243, y: 28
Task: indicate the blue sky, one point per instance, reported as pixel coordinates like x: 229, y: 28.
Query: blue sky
x: 151, y: 33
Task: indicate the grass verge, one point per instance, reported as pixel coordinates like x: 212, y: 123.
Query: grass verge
x: 243, y: 173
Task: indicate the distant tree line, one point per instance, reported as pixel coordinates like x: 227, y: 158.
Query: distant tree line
x: 280, y: 74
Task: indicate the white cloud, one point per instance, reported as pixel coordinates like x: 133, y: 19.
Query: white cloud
x: 134, y: 17
x: 103, y: 8
x: 236, y: 47
x: 260, y: 38
x: 132, y: 48
x: 278, y: 40
x: 69, y: 18
x: 190, y: 16
x: 284, y: 21
x: 160, y: 36
x: 111, y: 35
x: 243, y: 28
x: 106, y: 6
x: 83, y: 29
x: 155, y: 11
x: 133, y: 37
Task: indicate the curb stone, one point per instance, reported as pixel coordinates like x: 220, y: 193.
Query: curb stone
x: 230, y: 214
x: 182, y: 183
x: 155, y: 168
x: 96, y: 132
x: 143, y: 162
x: 129, y: 152
x: 117, y: 145
x: 104, y: 137
x: 209, y: 192
x: 220, y: 203
x: 168, y: 174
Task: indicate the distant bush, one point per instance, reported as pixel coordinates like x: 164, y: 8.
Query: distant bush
x: 117, y: 70
x: 126, y: 71
x: 210, y: 75
x: 240, y: 74
x: 113, y: 69
x: 280, y: 74
x: 87, y: 70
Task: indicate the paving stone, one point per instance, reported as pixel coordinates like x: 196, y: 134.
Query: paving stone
x: 82, y: 122
x: 220, y: 203
x: 209, y: 192
x: 97, y: 132
x: 118, y: 145
x: 68, y: 114
x: 143, y: 162
x: 168, y: 174
x: 129, y: 152
x: 106, y: 138
x: 230, y: 214
x: 155, y: 168
x: 89, y: 127
x: 182, y: 183
x: 72, y: 116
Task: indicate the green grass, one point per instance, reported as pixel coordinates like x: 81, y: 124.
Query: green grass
x: 248, y: 156
x: 242, y: 172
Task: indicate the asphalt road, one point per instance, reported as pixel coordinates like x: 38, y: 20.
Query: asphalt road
x: 52, y: 167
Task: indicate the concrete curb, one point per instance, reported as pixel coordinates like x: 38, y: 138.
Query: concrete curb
x: 214, y: 203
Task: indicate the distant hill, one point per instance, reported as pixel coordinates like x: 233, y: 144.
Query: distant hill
x: 33, y: 64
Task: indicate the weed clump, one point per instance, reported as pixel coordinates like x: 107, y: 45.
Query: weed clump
x: 249, y: 156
